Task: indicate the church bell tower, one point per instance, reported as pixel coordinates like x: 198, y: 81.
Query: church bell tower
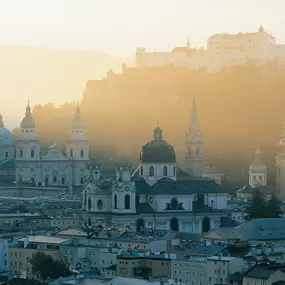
x: 194, y: 163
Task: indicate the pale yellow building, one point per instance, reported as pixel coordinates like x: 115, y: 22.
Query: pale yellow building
x: 20, y: 256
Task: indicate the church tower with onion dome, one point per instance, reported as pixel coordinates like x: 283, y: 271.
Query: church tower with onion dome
x: 28, y: 151
x: 280, y: 166
x: 257, y: 172
x: 194, y: 162
x: 77, y: 149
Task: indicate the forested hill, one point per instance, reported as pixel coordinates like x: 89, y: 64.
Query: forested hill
x: 238, y: 108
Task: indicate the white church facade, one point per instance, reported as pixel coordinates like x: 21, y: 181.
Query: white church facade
x: 52, y: 168
x: 159, y: 194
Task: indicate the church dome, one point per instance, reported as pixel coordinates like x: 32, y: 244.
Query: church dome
x: 28, y: 122
x: 257, y: 165
x: 157, y: 150
x: 6, y: 137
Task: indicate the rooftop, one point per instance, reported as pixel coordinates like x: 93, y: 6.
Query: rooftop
x: 44, y: 239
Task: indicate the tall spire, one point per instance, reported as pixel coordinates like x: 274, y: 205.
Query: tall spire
x: 1, y: 122
x: 194, y: 124
x: 188, y: 43
x: 78, y: 113
x: 28, y: 110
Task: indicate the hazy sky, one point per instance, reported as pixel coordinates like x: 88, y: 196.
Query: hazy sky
x: 118, y: 26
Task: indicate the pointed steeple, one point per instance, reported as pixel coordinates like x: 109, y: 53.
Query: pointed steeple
x: 194, y: 124
x: 78, y: 112
x: 1, y: 122
x: 28, y: 110
x: 188, y: 43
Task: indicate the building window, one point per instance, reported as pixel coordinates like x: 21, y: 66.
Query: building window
x: 46, y: 181
x: 174, y: 170
x: 197, y: 151
x: 141, y: 170
x: 82, y: 153
x: 99, y: 204
x: 71, y: 152
x: 115, y: 201
x: 54, y: 179
x: 32, y: 153
x: 62, y: 180
x: 6, y: 154
x: 151, y: 171
x: 81, y: 180
x: 164, y: 170
x: 89, y: 204
x: 174, y: 204
x: 21, y: 153
x: 127, y: 201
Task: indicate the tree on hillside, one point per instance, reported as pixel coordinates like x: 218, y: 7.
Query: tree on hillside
x: 47, y: 267
x: 257, y: 207
x: 273, y: 207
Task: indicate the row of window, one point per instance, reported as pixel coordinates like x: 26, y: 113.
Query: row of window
x: 32, y: 153
x: 164, y: 171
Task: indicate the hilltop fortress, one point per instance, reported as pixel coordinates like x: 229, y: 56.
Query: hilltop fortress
x: 223, y: 50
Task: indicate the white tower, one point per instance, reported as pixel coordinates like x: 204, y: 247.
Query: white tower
x: 257, y: 172
x: 280, y: 166
x: 123, y: 191
x: 28, y: 151
x: 194, y: 163
x: 77, y: 149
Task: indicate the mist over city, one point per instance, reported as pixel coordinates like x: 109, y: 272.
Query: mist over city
x: 142, y: 143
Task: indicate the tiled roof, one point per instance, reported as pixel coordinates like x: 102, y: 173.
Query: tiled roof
x: 188, y: 186
x: 262, y: 272
x: 144, y: 208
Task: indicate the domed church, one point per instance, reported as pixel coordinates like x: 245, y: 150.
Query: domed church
x: 158, y: 194
x: 7, y: 154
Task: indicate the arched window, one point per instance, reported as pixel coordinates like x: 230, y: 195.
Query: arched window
x: 62, y: 180
x: 6, y: 154
x: 82, y: 153
x: 54, y: 179
x: 46, y: 181
x: 21, y: 153
x: 197, y: 151
x: 174, y: 170
x: 127, y: 202
x: 89, y: 204
x: 141, y: 170
x: 71, y: 152
x: 174, y: 204
x: 115, y: 201
x: 32, y: 153
x: 164, y: 170
x: 151, y: 171
x: 100, y: 204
